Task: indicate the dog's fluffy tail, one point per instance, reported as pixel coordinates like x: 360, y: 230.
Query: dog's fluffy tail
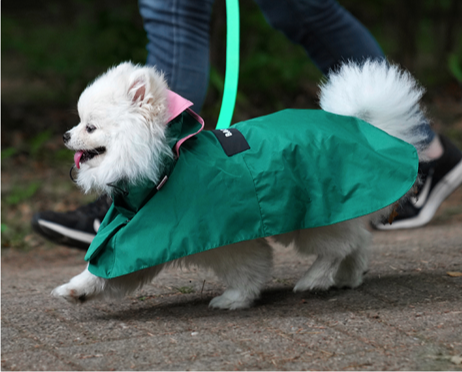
x: 380, y: 94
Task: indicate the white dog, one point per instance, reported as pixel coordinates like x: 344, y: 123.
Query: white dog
x: 122, y: 136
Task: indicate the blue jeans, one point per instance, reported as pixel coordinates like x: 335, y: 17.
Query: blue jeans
x: 178, y: 33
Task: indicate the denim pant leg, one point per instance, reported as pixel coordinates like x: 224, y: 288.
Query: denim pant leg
x: 329, y: 34
x: 178, y: 33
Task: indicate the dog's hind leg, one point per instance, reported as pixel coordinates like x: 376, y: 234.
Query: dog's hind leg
x: 127, y: 284
x: 341, y: 255
x: 353, y: 267
x: 243, y: 267
x: 320, y: 276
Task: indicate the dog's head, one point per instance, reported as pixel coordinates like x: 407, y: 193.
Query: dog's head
x: 121, y: 134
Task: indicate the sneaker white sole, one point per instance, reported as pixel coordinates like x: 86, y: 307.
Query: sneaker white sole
x: 70, y: 233
x: 441, y: 191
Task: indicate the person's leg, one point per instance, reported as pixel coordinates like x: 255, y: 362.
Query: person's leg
x: 178, y: 33
x: 328, y: 33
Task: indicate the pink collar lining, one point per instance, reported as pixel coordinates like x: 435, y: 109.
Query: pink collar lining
x: 177, y: 105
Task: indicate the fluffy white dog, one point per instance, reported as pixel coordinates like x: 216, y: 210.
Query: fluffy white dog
x: 122, y: 136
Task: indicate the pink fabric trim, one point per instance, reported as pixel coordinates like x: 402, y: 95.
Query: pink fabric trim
x: 176, y: 105
x: 181, y: 141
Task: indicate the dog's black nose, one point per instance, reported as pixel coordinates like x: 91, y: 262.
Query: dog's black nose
x: 66, y: 137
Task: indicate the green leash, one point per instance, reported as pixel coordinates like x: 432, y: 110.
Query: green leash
x: 232, y: 64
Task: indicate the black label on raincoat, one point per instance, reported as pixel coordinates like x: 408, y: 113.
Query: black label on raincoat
x: 232, y: 141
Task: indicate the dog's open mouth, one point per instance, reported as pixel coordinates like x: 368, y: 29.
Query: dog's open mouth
x: 82, y: 156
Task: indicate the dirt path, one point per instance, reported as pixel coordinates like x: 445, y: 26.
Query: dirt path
x: 406, y: 316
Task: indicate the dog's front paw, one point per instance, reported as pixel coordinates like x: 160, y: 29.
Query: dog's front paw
x: 231, y: 299
x: 80, y: 288
x: 70, y: 293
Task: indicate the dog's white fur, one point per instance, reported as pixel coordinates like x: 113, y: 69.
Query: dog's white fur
x: 128, y: 107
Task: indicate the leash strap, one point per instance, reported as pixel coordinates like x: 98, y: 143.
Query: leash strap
x: 232, y: 64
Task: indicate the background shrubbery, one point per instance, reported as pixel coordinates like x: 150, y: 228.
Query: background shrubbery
x: 52, y: 49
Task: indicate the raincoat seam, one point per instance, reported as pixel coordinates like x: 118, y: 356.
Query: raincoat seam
x: 114, y: 255
x: 256, y: 197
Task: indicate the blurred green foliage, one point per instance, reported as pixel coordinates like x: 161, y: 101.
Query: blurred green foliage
x: 37, y: 142
x: 40, y: 147
x: 22, y: 192
x: 9, y: 152
x: 71, y: 43
x: 455, y: 66
x: 54, y: 48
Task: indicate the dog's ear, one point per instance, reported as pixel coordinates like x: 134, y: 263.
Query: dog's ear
x: 147, y: 92
x: 137, y: 90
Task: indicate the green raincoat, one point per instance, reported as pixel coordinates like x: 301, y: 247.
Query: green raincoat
x: 295, y: 169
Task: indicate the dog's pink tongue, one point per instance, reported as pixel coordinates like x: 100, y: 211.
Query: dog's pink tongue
x: 77, y: 157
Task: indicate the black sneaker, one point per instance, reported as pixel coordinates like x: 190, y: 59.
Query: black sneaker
x: 74, y: 229
x: 440, y: 178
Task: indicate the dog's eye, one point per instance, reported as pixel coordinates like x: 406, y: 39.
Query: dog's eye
x: 90, y: 128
